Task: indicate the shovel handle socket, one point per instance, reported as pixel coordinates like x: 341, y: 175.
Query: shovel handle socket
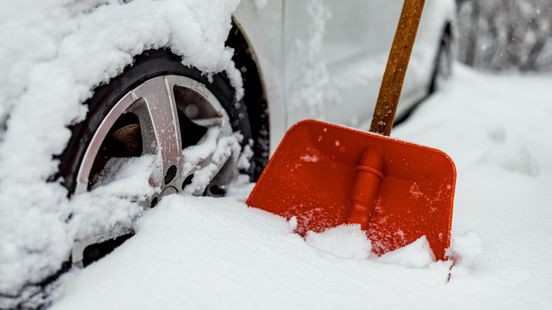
x: 368, y: 179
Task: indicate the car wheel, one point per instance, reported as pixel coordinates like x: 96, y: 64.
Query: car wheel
x: 159, y: 107
x: 443, y: 62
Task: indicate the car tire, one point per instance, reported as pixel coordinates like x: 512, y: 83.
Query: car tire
x: 148, y: 65
x: 153, y: 65
x: 443, y: 62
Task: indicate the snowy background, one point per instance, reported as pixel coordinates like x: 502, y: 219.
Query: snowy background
x: 499, y: 35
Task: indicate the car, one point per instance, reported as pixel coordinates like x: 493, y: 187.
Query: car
x: 105, y: 82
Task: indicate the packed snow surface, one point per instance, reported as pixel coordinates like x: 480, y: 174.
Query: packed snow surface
x: 218, y: 253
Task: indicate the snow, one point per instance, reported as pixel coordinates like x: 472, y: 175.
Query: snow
x: 217, y: 253
x: 222, y: 254
x: 415, y: 255
x: 312, y: 91
x: 53, y: 54
x: 464, y: 250
x: 261, y: 4
x: 218, y: 149
x: 346, y: 241
x: 113, y: 202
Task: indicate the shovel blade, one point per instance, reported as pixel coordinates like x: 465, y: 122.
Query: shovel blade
x: 327, y: 175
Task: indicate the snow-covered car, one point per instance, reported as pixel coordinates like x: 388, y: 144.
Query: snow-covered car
x: 107, y: 106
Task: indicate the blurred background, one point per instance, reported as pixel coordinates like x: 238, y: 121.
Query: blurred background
x: 505, y: 35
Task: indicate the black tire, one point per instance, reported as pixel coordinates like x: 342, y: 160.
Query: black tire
x: 442, y: 70
x: 443, y: 62
x: 149, y: 64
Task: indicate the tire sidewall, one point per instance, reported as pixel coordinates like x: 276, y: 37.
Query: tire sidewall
x: 443, y: 63
x: 148, y: 65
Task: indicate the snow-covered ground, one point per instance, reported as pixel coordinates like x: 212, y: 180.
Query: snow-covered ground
x: 218, y: 253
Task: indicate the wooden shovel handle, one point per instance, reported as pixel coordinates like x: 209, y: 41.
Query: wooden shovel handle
x: 397, y: 64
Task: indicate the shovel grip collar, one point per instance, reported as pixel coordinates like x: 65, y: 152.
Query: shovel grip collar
x: 371, y: 170
x: 397, y: 64
x: 368, y: 178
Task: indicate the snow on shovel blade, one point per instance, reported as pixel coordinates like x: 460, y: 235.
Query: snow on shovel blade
x: 327, y: 175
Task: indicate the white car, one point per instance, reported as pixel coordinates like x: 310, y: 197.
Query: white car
x: 144, y: 77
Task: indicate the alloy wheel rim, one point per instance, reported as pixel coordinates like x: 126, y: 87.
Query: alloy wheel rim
x: 160, y: 109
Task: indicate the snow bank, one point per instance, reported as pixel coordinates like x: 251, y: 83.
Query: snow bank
x: 53, y: 53
x: 188, y: 251
x: 204, y: 253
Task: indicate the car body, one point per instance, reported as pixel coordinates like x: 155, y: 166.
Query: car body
x: 325, y: 59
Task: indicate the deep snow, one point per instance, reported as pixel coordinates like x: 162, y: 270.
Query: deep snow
x: 217, y: 253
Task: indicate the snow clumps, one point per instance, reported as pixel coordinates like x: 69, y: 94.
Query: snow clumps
x: 345, y: 241
x: 350, y: 242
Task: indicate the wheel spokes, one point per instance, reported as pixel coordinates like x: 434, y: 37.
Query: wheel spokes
x: 151, y: 119
x: 158, y: 117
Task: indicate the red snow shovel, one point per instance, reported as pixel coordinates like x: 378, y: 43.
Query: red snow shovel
x: 327, y: 175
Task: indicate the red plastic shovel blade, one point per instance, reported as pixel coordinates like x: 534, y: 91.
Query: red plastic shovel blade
x: 327, y: 175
